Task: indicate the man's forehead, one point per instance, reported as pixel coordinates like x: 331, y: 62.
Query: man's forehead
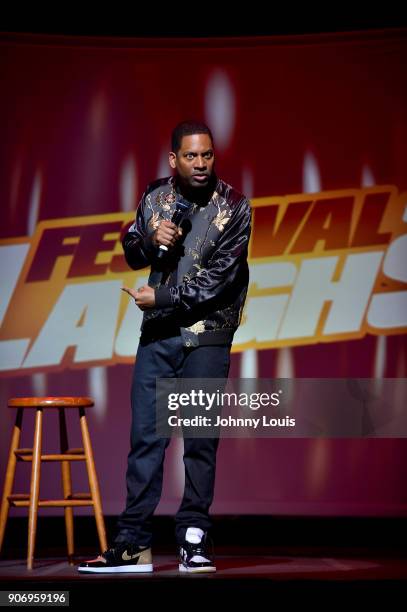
x: 196, y: 142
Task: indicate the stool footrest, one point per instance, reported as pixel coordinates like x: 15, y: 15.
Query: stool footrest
x: 72, y: 454
x: 21, y: 500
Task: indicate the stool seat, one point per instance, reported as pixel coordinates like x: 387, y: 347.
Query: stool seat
x: 36, y: 457
x: 50, y: 402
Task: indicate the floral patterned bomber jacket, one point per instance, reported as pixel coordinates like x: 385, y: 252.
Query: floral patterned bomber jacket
x: 201, y: 283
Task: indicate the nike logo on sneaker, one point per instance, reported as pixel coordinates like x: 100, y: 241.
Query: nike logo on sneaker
x: 127, y: 557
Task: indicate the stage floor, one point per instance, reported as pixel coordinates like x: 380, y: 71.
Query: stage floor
x: 237, y: 574
x: 228, y: 567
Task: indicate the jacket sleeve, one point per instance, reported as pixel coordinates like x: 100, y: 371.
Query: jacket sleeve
x: 222, y: 271
x: 138, y: 246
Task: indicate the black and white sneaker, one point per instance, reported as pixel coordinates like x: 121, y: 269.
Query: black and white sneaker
x: 194, y: 554
x: 123, y: 558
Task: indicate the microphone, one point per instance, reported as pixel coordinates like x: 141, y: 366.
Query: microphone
x: 181, y: 207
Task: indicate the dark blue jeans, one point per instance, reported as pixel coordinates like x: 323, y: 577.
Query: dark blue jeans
x: 165, y: 359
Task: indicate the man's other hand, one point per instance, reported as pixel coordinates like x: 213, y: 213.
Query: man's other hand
x: 144, y: 296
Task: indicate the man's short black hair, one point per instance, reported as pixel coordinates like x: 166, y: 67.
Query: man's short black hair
x: 187, y: 128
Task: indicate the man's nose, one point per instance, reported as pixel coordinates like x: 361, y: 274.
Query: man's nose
x: 200, y: 162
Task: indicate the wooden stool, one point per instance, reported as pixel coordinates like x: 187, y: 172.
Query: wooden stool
x: 35, y: 455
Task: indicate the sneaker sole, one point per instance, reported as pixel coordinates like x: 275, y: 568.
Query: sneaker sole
x: 120, y: 569
x: 196, y: 570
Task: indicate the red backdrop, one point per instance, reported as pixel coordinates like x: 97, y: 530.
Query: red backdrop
x: 85, y: 124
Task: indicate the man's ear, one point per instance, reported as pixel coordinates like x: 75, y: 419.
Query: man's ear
x: 172, y: 160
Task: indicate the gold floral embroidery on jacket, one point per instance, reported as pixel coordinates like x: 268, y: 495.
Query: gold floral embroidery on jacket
x: 220, y: 220
x: 154, y: 221
x: 196, y: 252
x: 165, y: 200
x: 199, y: 268
x: 197, y: 328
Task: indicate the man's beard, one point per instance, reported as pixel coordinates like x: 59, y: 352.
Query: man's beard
x: 197, y: 193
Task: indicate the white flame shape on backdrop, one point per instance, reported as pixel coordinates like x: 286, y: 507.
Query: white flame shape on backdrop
x: 220, y: 108
x: 316, y: 464
x: 311, y: 179
x: 128, y: 185
x: 163, y: 166
x: 34, y: 205
x: 39, y: 380
x: 98, y: 390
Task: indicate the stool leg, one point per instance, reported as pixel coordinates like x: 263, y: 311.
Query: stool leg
x: 35, y: 487
x: 93, y: 481
x: 67, y: 486
x: 10, y: 473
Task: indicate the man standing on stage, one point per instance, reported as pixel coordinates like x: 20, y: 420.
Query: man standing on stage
x: 192, y: 307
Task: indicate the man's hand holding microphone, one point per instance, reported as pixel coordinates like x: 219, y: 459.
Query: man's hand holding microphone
x: 165, y: 237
